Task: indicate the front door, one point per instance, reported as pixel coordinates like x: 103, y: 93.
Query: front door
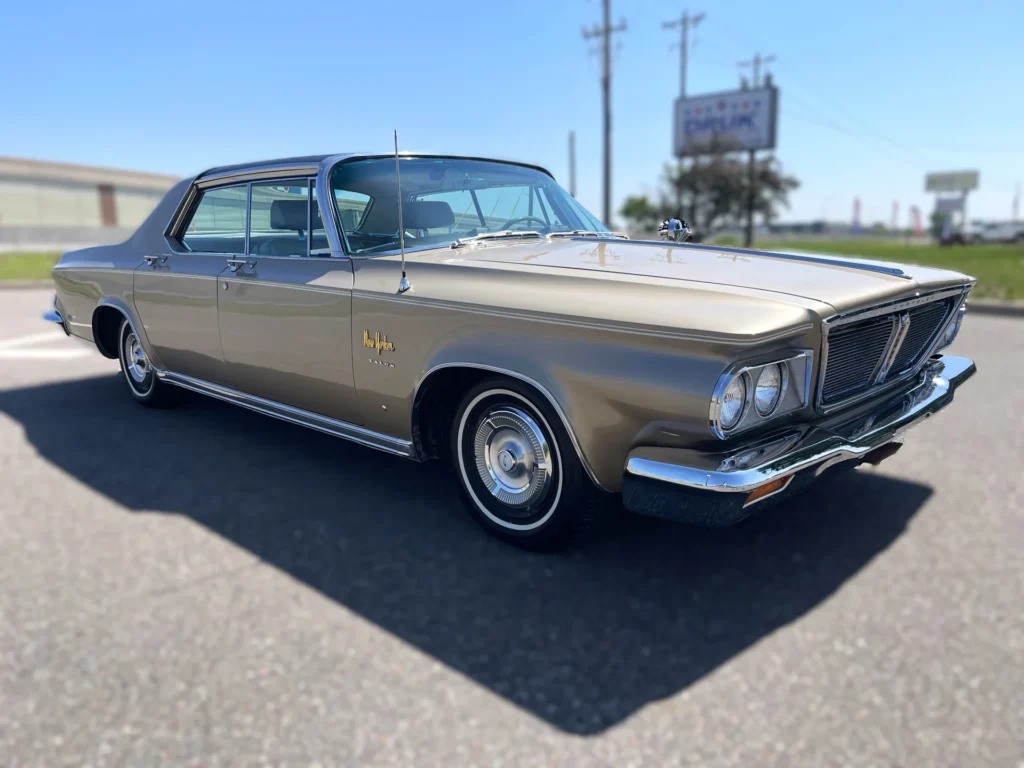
x: 285, y: 315
x: 176, y: 291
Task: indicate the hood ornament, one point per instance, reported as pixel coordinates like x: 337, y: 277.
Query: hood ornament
x: 676, y: 230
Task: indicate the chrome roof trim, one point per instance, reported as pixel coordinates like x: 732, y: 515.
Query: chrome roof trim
x: 254, y: 173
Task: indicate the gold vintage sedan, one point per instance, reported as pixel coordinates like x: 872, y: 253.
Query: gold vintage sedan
x: 548, y: 360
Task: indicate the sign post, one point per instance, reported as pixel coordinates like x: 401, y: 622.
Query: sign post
x: 951, y: 188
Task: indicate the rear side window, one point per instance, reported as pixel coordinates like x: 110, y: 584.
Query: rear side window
x: 280, y: 218
x: 217, y: 224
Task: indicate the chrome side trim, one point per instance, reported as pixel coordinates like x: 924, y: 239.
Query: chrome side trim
x: 540, y: 388
x: 891, y: 307
x: 932, y: 394
x: 298, y: 416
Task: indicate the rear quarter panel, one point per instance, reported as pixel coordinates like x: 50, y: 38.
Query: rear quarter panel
x: 91, y: 277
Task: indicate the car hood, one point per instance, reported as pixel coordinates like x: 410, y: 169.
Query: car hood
x: 842, y: 282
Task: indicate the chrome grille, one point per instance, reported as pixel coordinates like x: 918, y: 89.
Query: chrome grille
x: 924, y: 323
x: 854, y: 352
x: 857, y: 350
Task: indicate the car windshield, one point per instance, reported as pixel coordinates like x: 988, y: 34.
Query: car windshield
x: 445, y: 199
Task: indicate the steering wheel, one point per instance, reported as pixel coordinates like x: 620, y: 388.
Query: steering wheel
x: 508, y: 224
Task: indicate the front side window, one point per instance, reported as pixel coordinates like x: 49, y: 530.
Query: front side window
x: 217, y: 224
x: 444, y: 199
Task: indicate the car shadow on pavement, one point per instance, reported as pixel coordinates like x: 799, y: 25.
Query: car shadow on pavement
x: 582, y: 639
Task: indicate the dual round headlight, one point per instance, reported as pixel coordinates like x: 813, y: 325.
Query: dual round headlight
x: 734, y: 402
x: 767, y: 394
x: 768, y: 389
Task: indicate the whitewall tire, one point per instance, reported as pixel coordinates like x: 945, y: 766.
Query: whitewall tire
x: 519, y: 473
x: 138, y: 373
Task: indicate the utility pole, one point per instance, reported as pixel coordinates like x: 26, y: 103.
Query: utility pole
x: 1016, y: 203
x: 572, y: 163
x: 684, y: 23
x: 756, y: 63
x: 748, y: 232
x: 605, y: 32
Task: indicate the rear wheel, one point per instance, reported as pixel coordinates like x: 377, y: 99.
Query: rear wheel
x: 142, y: 381
x: 519, y: 472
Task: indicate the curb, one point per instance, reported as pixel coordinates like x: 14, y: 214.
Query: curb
x: 994, y: 307
x: 25, y: 284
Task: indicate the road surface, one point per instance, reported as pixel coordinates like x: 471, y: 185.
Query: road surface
x: 206, y: 586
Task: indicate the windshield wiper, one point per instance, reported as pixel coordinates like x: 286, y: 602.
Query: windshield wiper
x: 587, y: 233
x: 505, y: 234
x: 574, y: 233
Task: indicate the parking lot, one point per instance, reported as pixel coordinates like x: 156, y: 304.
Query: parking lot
x: 207, y: 586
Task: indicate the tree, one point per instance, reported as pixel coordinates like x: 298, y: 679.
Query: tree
x: 641, y: 211
x: 711, y: 191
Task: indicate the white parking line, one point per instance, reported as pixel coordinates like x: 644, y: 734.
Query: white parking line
x: 24, y: 341
x: 42, y: 354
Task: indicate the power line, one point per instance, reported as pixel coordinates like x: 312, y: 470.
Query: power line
x: 605, y: 33
x: 756, y: 63
x: 685, y: 22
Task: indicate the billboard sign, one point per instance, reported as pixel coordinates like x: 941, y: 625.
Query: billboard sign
x: 951, y: 181
x: 743, y: 119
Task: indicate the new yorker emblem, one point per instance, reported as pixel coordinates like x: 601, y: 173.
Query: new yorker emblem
x: 377, y: 342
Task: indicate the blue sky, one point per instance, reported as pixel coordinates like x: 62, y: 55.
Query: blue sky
x: 873, y: 93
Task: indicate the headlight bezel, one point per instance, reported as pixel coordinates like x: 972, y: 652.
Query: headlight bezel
x: 955, y: 323
x: 796, y: 367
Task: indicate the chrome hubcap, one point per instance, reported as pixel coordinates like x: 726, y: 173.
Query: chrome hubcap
x: 135, y: 359
x: 512, y: 456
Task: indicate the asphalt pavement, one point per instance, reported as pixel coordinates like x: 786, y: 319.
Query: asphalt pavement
x: 207, y: 586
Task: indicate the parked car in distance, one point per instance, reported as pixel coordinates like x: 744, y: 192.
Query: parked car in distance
x: 977, y: 232
x: 482, y: 317
x: 1002, y: 232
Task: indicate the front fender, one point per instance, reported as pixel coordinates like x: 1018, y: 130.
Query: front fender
x: 607, y: 389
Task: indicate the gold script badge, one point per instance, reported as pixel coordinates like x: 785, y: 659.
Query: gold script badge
x: 377, y: 342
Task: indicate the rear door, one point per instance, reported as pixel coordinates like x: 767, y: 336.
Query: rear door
x: 176, y: 291
x: 285, y: 315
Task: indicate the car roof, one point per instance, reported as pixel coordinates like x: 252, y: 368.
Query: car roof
x: 315, y: 160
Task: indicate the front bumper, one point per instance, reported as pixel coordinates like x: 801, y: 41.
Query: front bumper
x: 714, y: 489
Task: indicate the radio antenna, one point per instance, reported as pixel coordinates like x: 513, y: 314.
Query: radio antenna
x: 403, y: 284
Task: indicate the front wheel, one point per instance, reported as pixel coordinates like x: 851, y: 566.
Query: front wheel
x: 519, y: 472
x: 143, y: 383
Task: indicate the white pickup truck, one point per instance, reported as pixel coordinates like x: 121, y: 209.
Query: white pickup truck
x: 996, y: 232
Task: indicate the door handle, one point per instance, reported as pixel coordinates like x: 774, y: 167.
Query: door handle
x: 154, y: 260
x: 237, y: 264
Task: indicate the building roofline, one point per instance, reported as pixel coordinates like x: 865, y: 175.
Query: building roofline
x: 28, y: 168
